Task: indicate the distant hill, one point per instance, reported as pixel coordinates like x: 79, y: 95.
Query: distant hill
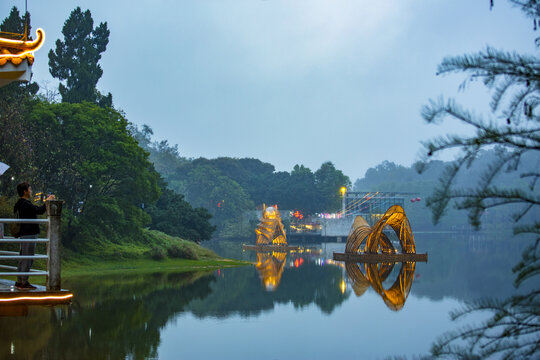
x: 389, y: 176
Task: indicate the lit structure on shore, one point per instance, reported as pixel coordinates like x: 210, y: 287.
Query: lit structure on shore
x: 17, y: 56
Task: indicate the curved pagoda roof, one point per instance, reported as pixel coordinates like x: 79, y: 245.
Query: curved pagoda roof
x: 17, y: 57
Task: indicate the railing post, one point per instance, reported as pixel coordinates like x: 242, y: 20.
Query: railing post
x: 54, y: 213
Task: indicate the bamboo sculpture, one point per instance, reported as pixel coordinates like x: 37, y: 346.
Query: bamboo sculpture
x: 270, y: 230
x: 375, y: 240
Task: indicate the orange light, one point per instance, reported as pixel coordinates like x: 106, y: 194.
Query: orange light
x: 19, y: 44
x: 343, y: 286
x: 46, y: 297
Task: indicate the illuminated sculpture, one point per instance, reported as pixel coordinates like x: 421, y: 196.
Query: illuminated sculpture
x: 270, y: 230
x: 270, y: 266
x: 375, y: 274
x: 379, y: 257
x: 17, y: 57
x: 374, y: 237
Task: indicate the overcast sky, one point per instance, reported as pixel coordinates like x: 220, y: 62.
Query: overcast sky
x: 287, y: 81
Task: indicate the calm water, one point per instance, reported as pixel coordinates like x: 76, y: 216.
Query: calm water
x: 294, y: 306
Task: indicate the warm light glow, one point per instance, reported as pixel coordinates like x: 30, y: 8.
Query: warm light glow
x: 27, y: 47
x: 343, y: 286
x: 270, y: 230
x: 343, y: 190
x: 45, y: 297
x: 375, y: 240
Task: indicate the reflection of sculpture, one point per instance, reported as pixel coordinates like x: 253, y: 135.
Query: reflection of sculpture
x: 376, y: 274
x: 270, y: 230
x: 374, y: 237
x: 270, y: 267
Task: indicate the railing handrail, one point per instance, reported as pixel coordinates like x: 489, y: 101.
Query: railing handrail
x: 53, y: 240
x: 24, y: 221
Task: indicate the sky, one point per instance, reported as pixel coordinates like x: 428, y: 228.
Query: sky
x: 288, y: 81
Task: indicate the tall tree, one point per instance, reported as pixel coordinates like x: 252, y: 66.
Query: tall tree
x: 329, y: 181
x: 76, y: 59
x: 14, y: 25
x: 513, y: 127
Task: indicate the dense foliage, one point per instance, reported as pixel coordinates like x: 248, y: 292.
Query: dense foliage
x: 83, y: 151
x: 229, y: 188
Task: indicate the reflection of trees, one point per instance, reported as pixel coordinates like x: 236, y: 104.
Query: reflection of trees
x: 375, y: 274
x: 270, y: 266
x: 240, y: 291
x: 120, y: 316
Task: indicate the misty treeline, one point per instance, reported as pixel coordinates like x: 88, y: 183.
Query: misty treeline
x: 230, y: 187
x: 81, y: 149
x: 388, y: 176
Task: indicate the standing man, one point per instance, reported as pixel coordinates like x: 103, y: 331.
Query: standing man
x: 27, y: 210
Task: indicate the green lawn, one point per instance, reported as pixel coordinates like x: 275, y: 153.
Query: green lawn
x: 159, y: 253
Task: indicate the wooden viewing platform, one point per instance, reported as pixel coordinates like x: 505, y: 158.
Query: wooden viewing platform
x: 379, y: 258
x: 269, y: 247
x: 51, y: 294
x: 9, y: 295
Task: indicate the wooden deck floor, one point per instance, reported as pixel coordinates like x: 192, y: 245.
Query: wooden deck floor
x: 9, y: 295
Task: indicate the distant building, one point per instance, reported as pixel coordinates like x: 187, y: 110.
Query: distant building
x: 372, y: 203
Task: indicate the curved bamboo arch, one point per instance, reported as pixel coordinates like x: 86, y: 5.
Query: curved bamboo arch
x: 375, y: 274
x: 374, y: 239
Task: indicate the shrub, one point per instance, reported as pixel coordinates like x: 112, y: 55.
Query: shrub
x: 157, y: 253
x: 182, y: 252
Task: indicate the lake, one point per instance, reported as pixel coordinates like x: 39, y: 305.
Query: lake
x: 299, y: 305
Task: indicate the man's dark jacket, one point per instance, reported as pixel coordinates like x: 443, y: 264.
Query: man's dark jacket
x: 27, y: 210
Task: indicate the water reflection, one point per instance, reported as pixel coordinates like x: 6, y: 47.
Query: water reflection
x: 270, y: 266
x: 126, y: 316
x: 120, y: 316
x: 375, y: 274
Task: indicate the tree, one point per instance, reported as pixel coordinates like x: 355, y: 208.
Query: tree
x: 222, y: 196
x: 175, y: 216
x: 329, y: 181
x: 87, y: 157
x: 14, y: 25
x: 513, y: 128
x: 76, y: 59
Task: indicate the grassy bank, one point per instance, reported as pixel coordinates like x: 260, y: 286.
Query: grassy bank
x: 158, y: 253
x: 141, y: 266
